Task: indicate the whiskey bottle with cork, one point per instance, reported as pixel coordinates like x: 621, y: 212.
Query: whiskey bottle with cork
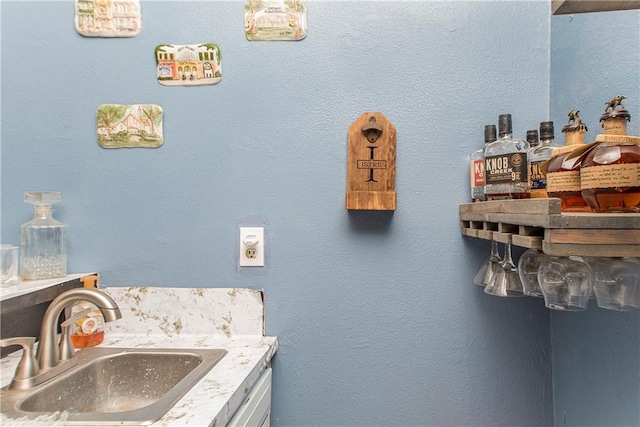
x: 538, y: 155
x: 563, y: 169
x: 610, y: 173
x: 506, y: 164
x: 477, y: 165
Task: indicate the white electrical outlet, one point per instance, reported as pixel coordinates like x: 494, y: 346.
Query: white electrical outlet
x: 251, y: 247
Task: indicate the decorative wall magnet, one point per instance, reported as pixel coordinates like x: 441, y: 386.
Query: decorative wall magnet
x: 188, y: 65
x: 269, y: 20
x: 128, y: 126
x: 107, y: 18
x: 371, y: 164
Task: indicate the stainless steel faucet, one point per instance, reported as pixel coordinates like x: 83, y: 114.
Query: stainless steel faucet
x: 53, y: 358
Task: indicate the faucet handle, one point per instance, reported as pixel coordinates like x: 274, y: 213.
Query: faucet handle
x: 28, y: 366
x: 67, y: 350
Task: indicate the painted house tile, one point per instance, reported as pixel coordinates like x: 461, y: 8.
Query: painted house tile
x: 108, y: 18
x: 270, y: 20
x: 129, y: 126
x: 188, y: 65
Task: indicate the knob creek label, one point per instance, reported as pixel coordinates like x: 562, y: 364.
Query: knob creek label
x: 506, y: 168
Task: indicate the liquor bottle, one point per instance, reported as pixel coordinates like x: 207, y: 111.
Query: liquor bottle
x: 477, y: 166
x: 88, y: 329
x: 563, y: 170
x: 610, y: 172
x: 506, y: 164
x: 534, y: 140
x: 43, y: 253
x: 538, y: 155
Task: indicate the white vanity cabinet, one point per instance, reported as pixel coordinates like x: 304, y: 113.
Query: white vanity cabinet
x: 256, y: 407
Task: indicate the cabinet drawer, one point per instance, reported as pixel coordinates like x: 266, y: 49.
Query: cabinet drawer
x: 256, y: 408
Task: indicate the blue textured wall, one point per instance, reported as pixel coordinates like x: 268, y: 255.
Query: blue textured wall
x: 377, y: 318
x: 596, y: 354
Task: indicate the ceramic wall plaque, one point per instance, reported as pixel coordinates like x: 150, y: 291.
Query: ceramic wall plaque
x: 267, y: 20
x: 108, y: 18
x: 128, y: 126
x: 188, y: 65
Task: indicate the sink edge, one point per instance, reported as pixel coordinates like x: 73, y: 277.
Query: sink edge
x: 11, y: 399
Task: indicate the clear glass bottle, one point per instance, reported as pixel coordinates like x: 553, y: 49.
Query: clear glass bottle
x: 477, y: 166
x: 43, y: 251
x: 506, y: 164
x: 563, y: 170
x: 538, y: 155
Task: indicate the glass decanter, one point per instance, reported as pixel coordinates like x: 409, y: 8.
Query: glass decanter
x: 609, y: 174
x: 43, y: 252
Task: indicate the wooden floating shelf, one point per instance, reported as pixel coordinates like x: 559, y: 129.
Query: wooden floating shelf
x: 540, y: 224
x: 566, y: 7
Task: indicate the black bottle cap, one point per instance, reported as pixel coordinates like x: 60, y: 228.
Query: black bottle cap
x: 489, y: 133
x: 532, y: 137
x: 504, y: 124
x: 546, y: 130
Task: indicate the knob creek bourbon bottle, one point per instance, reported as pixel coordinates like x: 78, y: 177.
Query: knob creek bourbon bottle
x: 506, y: 165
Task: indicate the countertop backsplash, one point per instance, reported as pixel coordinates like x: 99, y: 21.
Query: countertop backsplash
x: 188, y: 311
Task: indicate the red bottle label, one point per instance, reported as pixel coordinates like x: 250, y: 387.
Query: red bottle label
x: 477, y: 173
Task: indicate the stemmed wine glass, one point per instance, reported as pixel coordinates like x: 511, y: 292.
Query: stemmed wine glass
x: 489, y: 267
x: 528, y: 269
x: 566, y: 282
x: 616, y: 283
x: 506, y: 282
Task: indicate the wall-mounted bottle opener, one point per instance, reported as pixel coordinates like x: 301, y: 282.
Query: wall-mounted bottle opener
x: 371, y: 164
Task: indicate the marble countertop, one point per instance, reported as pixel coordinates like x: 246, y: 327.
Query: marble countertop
x: 30, y: 286
x: 223, y: 318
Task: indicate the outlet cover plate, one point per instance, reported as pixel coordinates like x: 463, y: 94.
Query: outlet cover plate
x: 249, y: 235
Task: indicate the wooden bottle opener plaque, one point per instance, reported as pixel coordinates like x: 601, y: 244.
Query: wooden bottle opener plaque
x: 371, y: 164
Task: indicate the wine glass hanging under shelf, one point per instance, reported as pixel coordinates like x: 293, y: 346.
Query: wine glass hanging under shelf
x: 540, y: 224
